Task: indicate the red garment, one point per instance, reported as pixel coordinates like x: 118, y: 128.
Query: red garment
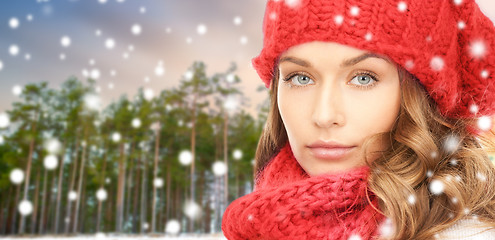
x: 449, y: 45
x: 288, y: 204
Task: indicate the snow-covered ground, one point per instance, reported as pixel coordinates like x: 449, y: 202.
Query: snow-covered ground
x: 118, y: 237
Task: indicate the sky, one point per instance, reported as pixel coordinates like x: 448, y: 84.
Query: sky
x: 57, y: 39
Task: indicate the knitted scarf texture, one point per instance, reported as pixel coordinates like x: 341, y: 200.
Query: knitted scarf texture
x: 289, y: 204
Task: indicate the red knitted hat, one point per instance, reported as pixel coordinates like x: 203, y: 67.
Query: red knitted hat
x: 449, y: 45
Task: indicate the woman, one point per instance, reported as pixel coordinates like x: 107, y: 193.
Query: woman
x: 379, y: 111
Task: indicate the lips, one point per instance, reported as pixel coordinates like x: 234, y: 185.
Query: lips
x: 329, y: 150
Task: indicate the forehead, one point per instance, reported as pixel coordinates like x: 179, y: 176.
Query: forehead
x: 328, y: 52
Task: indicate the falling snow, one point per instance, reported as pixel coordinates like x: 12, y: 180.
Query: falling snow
x: 101, y: 194
x: 485, y: 123
x: 14, y: 23
x: 437, y: 63
x: 293, y: 3
x: 237, y: 20
x: 461, y: 25
x: 451, y: 143
x: 436, y: 187
x: 148, y: 94
x: 136, y: 29
x: 201, y: 29
x: 402, y: 6
x: 14, y: 50
x: 65, y: 41
x: 4, y: 120
x: 16, y: 176
x: 185, y: 157
x: 219, y: 168
x: 477, y: 49
x: 50, y: 162
x: 339, y: 19
x: 158, y: 182
x: 17, y: 90
x: 116, y: 137
x: 354, y: 11
x: 25, y: 207
x: 110, y: 43
x: 411, y: 199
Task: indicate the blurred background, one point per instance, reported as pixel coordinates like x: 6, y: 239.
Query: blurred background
x: 127, y: 116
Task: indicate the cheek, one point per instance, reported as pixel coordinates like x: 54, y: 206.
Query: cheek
x: 293, y: 111
x: 378, y: 113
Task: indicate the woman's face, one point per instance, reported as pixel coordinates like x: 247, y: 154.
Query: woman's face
x: 331, y: 97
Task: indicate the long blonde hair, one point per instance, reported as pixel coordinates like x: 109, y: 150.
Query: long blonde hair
x: 426, y: 149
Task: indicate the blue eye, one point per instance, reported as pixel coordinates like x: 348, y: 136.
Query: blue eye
x: 298, y: 79
x: 363, y: 80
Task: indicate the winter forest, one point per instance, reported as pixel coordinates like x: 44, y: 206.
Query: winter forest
x: 166, y: 163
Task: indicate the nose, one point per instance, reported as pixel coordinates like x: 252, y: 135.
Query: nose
x: 328, y: 109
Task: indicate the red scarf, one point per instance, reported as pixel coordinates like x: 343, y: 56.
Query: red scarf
x: 288, y: 204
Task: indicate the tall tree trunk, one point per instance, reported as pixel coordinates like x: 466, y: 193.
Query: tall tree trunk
x: 136, y: 196
x: 68, y: 214
x: 80, y: 225
x: 59, y: 187
x: 225, y: 161
x: 43, y: 202
x: 34, y: 215
x: 167, y: 215
x: 14, y: 209
x: 6, y: 217
x: 155, y: 176
x: 144, y: 190
x: 79, y: 188
x: 120, y: 190
x: 28, y: 169
x: 193, y: 150
x: 49, y: 213
x: 102, y: 184
x: 129, y: 187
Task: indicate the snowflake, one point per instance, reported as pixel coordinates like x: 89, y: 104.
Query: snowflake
x: 148, y: 94
x: 354, y: 10
x: 485, y: 74
x: 461, y: 25
x: 17, y: 90
x: 437, y: 63
x: 172, y: 227
x: 339, y: 19
x: 411, y: 199
x: 368, y: 36
x: 201, y: 29
x: 402, y: 6
x: 436, y: 187
x: 14, y: 50
x: 136, y: 29
x: 65, y: 41
x: 477, y: 49
x: 293, y: 3
x: 473, y: 108
x: 457, y: 2
x: 409, y: 64
x: 219, y: 168
x: 14, y: 23
x: 273, y: 15
x: 354, y: 237
x: 25, y: 207
x: 485, y: 123
x: 110, y: 43
x: 451, y: 143
x: 237, y: 20
x: 1, y: 65
x: 116, y: 137
x: 50, y: 162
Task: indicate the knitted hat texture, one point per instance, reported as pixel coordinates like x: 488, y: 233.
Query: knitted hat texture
x: 288, y: 204
x: 449, y: 45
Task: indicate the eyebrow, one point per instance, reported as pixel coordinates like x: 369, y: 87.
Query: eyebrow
x: 346, y: 63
